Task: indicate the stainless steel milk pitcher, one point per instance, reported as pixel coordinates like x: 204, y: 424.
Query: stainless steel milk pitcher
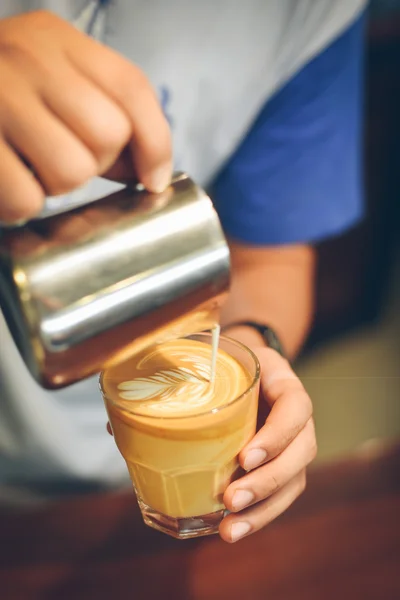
x: 84, y: 289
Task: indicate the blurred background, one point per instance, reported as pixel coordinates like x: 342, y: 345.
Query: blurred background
x: 343, y: 537
x: 351, y: 366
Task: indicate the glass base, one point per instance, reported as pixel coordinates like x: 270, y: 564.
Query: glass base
x: 182, y: 528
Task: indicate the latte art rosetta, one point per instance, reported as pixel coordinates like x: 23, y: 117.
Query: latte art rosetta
x: 174, y: 377
x: 168, y: 384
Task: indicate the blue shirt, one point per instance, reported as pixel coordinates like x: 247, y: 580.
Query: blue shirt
x: 296, y: 177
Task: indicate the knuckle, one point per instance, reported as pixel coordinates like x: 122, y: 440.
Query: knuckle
x: 284, y: 381
x: 272, y: 484
x: 26, y: 39
x: 39, y: 21
x: 133, y: 82
x: 308, y: 405
x: 117, y: 136
x: 313, y: 450
x: 12, y: 104
x: 273, y: 443
x: 26, y: 62
x: 111, y: 136
x: 11, y: 49
x: 281, y: 444
x: 41, y: 17
x: 312, y: 441
x: 137, y: 91
x: 302, y: 484
x: 128, y: 81
x: 303, y: 400
x: 68, y: 175
x: 285, y: 438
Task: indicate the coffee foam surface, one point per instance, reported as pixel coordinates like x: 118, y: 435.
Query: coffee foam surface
x: 173, y: 379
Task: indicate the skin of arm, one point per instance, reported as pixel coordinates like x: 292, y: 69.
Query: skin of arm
x: 273, y: 286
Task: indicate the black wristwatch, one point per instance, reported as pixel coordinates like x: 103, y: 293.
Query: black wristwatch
x: 267, y: 333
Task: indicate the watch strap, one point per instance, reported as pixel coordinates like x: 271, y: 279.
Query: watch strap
x: 267, y: 333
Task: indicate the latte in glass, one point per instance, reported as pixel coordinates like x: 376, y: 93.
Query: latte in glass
x: 179, y: 432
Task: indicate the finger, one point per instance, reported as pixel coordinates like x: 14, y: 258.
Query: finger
x: 269, y: 478
x: 126, y: 84
x: 109, y: 428
x: 291, y: 409
x: 59, y: 159
x: 93, y: 116
x: 21, y: 196
x: 236, y: 526
x: 276, y: 374
x: 123, y: 169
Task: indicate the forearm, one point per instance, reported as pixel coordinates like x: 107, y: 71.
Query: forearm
x: 274, y: 286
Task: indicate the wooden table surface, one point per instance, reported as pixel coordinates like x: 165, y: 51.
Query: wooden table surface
x: 340, y: 541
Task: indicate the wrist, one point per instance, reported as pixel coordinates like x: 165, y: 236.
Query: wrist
x: 255, y: 334
x: 244, y: 334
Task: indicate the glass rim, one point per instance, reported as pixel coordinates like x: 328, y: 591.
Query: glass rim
x: 254, y: 382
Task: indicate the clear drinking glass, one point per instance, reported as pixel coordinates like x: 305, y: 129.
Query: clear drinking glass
x: 181, y: 466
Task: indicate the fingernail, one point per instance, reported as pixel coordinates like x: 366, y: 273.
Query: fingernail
x: 242, y: 498
x: 160, y: 179
x: 254, y: 458
x: 238, y: 530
